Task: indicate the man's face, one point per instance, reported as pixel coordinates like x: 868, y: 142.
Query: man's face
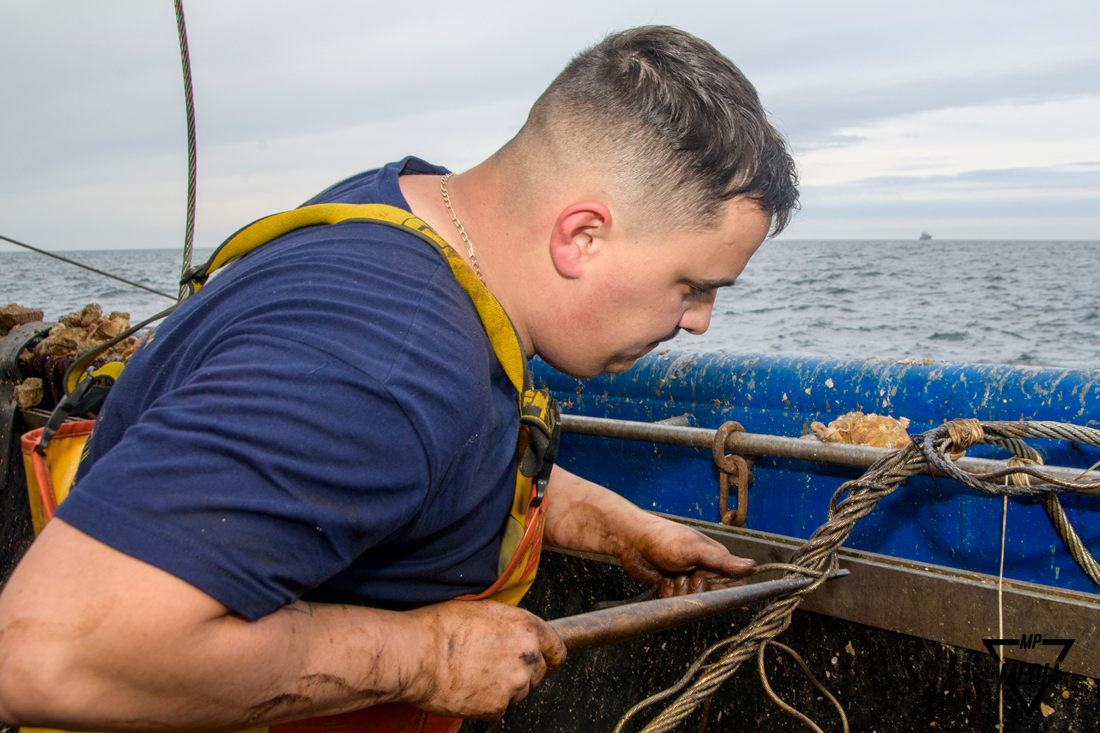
x: 636, y: 294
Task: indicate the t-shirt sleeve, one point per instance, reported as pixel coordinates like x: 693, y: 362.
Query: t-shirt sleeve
x: 270, y: 469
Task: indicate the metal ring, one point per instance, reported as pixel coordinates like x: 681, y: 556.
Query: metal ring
x: 718, y: 447
x: 731, y: 465
x: 736, y: 517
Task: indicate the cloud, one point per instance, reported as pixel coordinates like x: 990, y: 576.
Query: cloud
x: 1007, y: 170
x: 1079, y: 180
x: 92, y: 139
x: 959, y: 139
x: 1058, y: 202
x: 821, y: 116
x: 250, y: 179
x: 901, y: 223
x: 138, y: 201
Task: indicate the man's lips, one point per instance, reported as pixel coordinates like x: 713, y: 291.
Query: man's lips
x: 658, y: 342
x: 654, y: 344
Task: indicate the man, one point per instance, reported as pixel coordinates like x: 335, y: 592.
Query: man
x: 315, y: 452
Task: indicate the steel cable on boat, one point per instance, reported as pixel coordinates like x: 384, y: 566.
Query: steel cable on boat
x: 1052, y: 505
x: 810, y: 675
x: 192, y: 178
x: 192, y: 157
x: 818, y: 555
x: 1058, y: 519
x: 87, y: 267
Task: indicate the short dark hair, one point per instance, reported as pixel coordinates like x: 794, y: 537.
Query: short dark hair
x: 690, y: 121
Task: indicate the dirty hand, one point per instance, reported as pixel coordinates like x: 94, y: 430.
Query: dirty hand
x: 682, y: 560
x: 479, y: 657
x: 587, y: 517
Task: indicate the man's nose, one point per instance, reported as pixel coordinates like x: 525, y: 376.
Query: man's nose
x: 696, y: 319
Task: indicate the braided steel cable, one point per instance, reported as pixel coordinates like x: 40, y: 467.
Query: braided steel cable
x: 1058, y: 519
x: 1052, y: 505
x: 86, y: 267
x: 818, y: 554
x: 938, y: 443
x: 192, y: 166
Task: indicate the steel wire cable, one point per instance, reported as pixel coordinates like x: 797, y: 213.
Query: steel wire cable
x: 1052, y: 504
x: 1058, y: 519
x: 192, y: 165
x: 192, y: 178
x: 87, y: 267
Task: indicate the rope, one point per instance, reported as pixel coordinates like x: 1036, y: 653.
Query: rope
x: 192, y: 166
x: 810, y: 675
x: 818, y: 554
x: 86, y: 267
x: 1001, y: 616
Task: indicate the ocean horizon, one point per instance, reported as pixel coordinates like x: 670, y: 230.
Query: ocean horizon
x: 1021, y: 302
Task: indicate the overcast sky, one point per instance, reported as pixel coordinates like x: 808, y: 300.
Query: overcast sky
x: 971, y: 120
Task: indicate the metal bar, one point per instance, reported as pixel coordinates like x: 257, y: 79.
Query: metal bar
x: 622, y: 623
x: 777, y: 446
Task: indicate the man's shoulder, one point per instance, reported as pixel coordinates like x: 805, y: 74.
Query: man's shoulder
x: 361, y: 292
x: 376, y: 297
x: 376, y: 186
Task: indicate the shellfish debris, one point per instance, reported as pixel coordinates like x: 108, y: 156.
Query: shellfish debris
x: 855, y: 428
x: 73, y: 334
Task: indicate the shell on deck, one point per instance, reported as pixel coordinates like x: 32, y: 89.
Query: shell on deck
x: 73, y: 334
x: 855, y: 428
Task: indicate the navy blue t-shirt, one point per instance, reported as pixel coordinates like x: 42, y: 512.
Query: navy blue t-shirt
x: 325, y: 419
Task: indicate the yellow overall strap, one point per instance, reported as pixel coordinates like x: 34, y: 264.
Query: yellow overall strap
x: 497, y: 325
x: 522, y: 537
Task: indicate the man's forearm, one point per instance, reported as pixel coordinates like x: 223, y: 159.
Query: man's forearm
x: 587, y: 517
x: 93, y: 639
x: 584, y: 516
x: 131, y: 652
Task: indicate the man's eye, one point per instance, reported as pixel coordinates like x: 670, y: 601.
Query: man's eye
x: 698, y: 292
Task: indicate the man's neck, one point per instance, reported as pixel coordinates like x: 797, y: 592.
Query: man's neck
x: 498, y: 240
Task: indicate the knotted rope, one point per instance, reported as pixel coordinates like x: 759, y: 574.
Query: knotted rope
x: 936, y: 448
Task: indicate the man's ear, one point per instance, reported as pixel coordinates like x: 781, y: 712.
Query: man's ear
x: 576, y: 236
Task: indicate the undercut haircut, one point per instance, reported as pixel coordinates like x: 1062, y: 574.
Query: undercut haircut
x: 680, y: 127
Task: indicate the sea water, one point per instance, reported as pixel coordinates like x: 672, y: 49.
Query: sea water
x: 993, y: 302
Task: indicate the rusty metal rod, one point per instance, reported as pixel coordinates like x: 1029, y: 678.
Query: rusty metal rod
x: 622, y: 623
x: 776, y: 446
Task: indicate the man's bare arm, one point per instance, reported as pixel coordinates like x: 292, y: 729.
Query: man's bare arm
x: 91, y: 638
x: 584, y: 516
